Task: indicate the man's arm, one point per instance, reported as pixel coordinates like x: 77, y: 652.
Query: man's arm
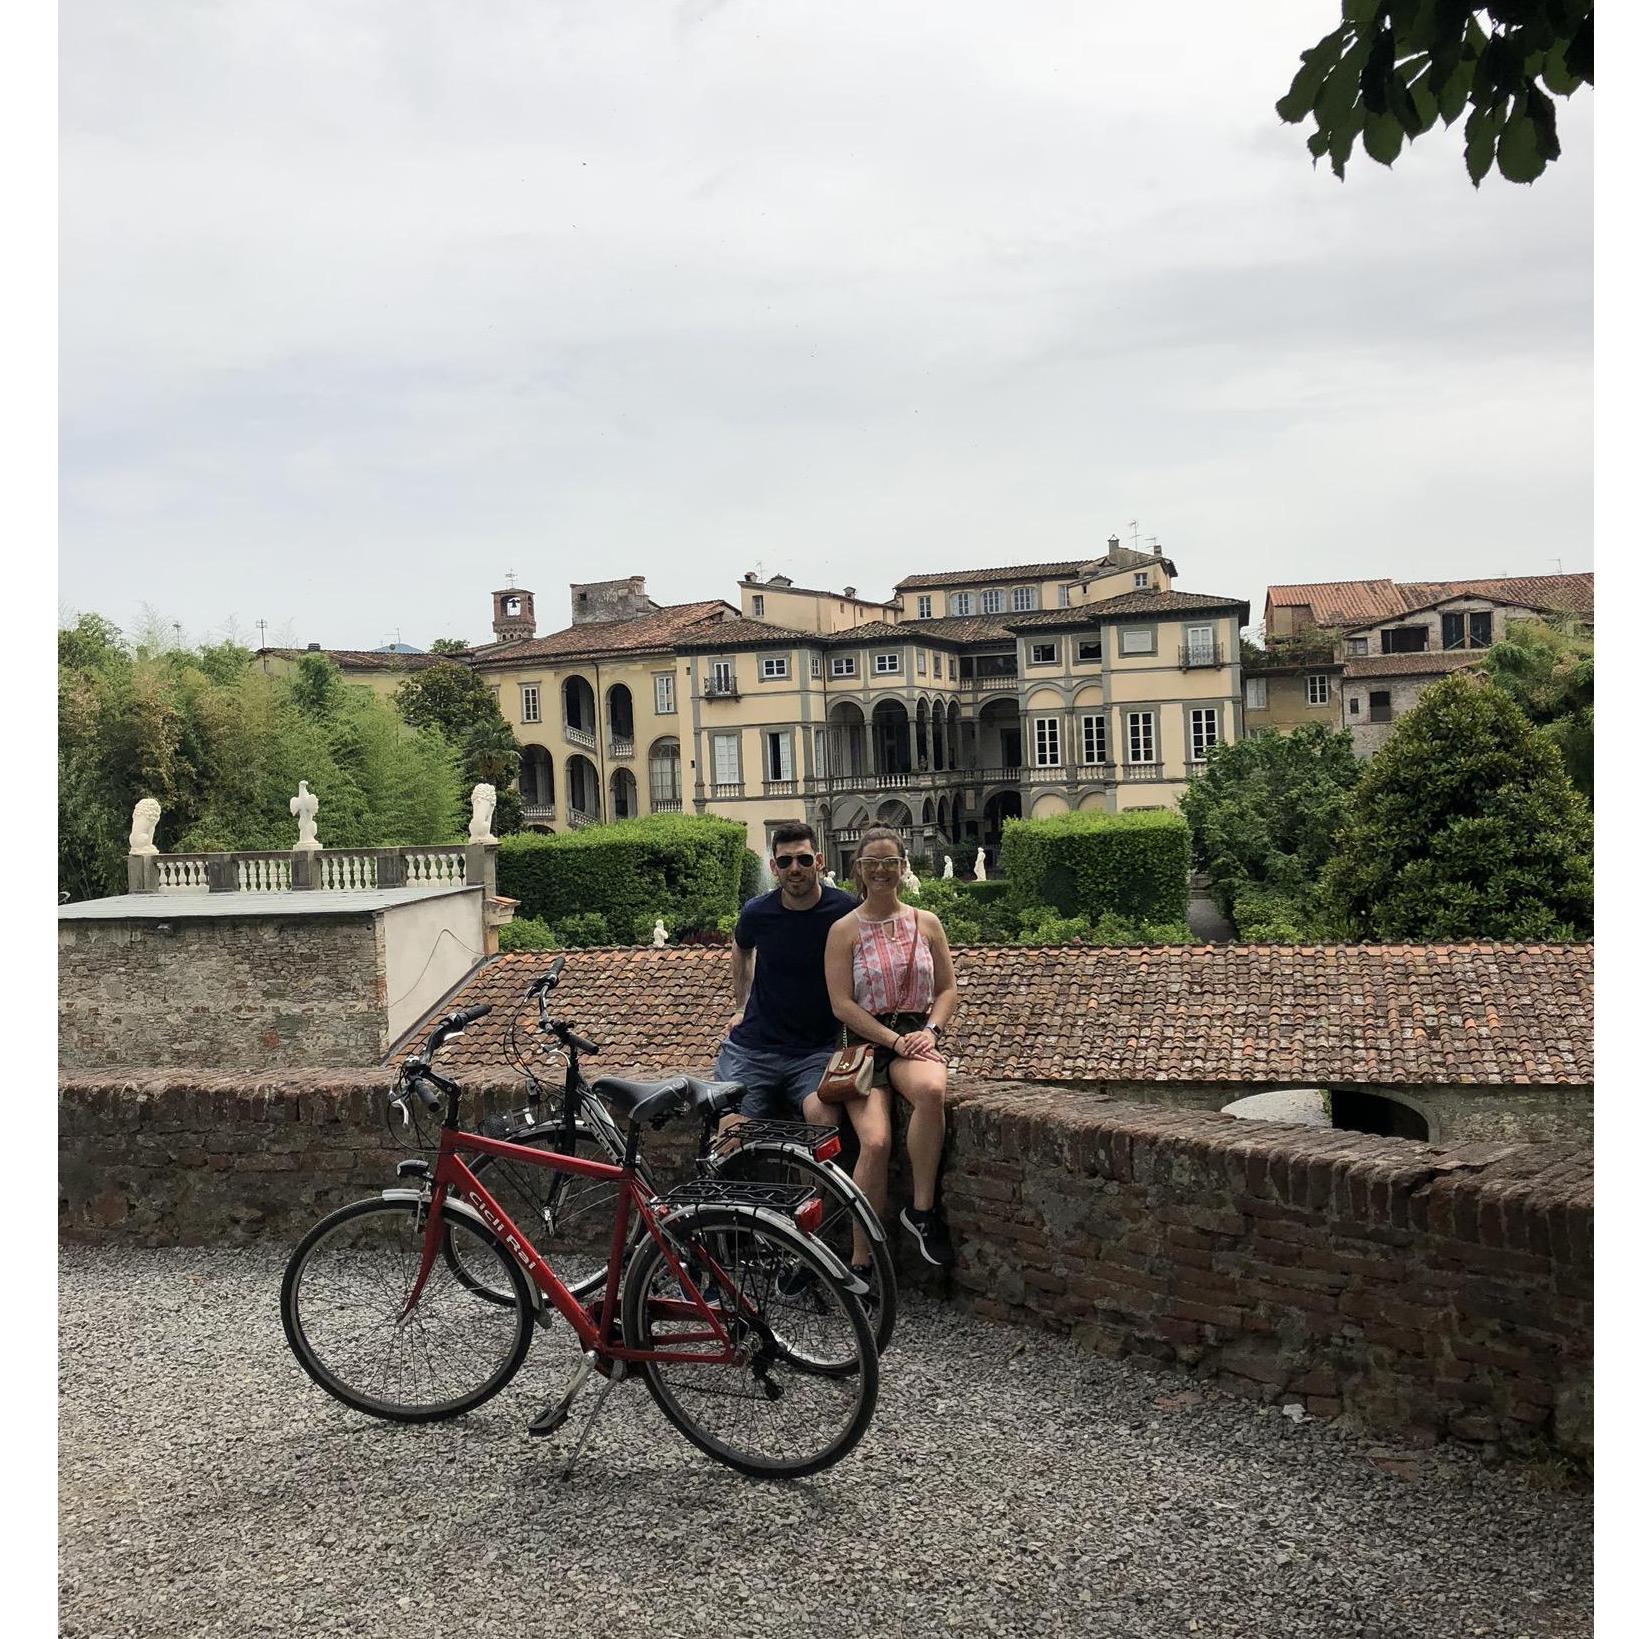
x: 745, y: 964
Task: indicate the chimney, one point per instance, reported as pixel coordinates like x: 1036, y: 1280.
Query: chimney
x: 750, y: 577
x: 1115, y: 543
x: 1156, y: 549
x: 848, y: 591
x: 514, y: 614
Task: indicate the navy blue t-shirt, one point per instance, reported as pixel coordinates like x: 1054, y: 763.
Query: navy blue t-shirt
x: 789, y: 1009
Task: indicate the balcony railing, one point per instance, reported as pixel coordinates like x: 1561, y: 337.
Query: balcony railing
x: 580, y: 737
x: 1142, y: 771
x: 1094, y: 773
x: 732, y: 788
x: 622, y: 748
x: 537, y: 813
x: 722, y: 688
x: 667, y: 805
x: 779, y: 788
x: 579, y: 817
x: 984, y: 685
x: 323, y: 870
x: 1193, y: 655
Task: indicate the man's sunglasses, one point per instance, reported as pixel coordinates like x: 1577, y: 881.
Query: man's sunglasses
x: 786, y: 861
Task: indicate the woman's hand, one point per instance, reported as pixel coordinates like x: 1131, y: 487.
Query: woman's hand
x: 920, y: 1044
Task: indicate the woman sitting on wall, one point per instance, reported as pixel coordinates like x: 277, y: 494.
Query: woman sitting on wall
x: 889, y: 973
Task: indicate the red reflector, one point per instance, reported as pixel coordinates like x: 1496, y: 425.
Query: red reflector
x: 828, y: 1149
x: 809, y: 1215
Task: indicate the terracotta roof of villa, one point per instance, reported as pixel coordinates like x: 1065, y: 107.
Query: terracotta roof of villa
x: 1321, y: 1015
x: 946, y: 629
x: 655, y: 632
x: 1143, y: 602
x: 741, y: 633
x: 1006, y: 572
x: 1410, y: 665
x: 1361, y: 602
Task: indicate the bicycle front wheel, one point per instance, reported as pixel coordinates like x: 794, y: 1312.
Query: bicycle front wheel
x: 772, y: 1411
x: 846, y: 1220
x: 342, y: 1303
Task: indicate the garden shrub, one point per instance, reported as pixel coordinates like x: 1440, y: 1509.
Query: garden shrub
x: 583, y: 929
x: 526, y: 933
x: 1267, y: 916
x: 685, y: 868
x: 751, y: 876
x: 1087, y: 864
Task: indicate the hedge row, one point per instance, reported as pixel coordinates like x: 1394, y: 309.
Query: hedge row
x: 1091, y: 864
x: 685, y: 868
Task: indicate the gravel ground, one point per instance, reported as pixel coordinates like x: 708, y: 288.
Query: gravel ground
x: 1009, y: 1485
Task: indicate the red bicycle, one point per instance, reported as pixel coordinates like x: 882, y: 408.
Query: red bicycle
x: 381, y: 1309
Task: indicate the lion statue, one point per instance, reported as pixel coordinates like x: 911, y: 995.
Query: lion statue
x: 483, y: 814
x: 144, y: 817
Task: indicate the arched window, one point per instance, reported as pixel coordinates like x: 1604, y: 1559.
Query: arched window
x: 665, y: 774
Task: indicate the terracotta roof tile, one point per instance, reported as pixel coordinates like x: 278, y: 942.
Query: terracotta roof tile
x: 947, y: 628
x: 1270, y: 1014
x: 1165, y: 603
x: 658, y: 630
x: 741, y: 634
x: 1361, y: 602
x: 1410, y: 665
x: 1333, y: 602
x: 1000, y: 574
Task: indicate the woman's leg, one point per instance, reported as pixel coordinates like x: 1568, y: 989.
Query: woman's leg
x: 874, y: 1129
x: 921, y: 1083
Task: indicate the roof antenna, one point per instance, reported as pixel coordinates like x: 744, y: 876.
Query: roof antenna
x: 1132, y: 524
x: 1559, y: 564
x: 261, y: 628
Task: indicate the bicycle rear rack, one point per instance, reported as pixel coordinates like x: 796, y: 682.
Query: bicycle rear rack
x: 781, y: 1198
x: 759, y: 1131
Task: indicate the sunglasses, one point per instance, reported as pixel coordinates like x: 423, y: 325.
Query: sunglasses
x: 879, y: 864
x: 785, y: 861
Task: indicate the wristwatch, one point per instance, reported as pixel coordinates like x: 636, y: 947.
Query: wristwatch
x: 936, y: 1031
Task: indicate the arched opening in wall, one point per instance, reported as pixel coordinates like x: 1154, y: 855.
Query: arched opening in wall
x: 1003, y: 805
x: 924, y: 748
x: 1355, y: 1111
x: 958, y: 739
x: 622, y: 794
x: 1301, y: 1106
x: 939, y: 757
x: 620, y: 720
x: 666, y: 776
x: 896, y: 814
x: 580, y: 712
x: 1000, y: 740
x: 535, y: 783
x: 584, y: 807
x: 891, y: 734
x: 845, y: 741
x: 848, y: 819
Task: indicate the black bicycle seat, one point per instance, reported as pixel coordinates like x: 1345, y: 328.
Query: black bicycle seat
x: 714, y: 1098
x: 643, y: 1101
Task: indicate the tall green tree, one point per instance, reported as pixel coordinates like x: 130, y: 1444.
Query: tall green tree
x: 1464, y: 825
x: 456, y: 701
x: 1546, y: 668
x: 1393, y: 67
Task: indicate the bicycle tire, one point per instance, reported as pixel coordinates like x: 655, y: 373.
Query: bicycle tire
x: 699, y: 1398
x: 569, y: 1219
x: 343, y: 1293
x: 840, y: 1218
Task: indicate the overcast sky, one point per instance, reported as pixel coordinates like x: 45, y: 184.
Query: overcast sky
x: 365, y: 304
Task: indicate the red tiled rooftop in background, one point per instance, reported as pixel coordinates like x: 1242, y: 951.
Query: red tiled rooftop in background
x: 1269, y: 1014
x: 1411, y: 665
x: 1360, y: 602
x: 657, y: 630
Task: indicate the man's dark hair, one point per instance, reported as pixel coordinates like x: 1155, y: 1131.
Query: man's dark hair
x: 792, y: 831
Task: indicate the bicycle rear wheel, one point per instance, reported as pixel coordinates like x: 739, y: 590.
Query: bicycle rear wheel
x: 342, y: 1304
x: 772, y: 1412
x: 845, y: 1217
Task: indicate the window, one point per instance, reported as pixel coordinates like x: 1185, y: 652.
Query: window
x: 1089, y: 648
x: 815, y: 668
x: 665, y: 772
x: 1404, y: 639
x: 1466, y: 629
x: 1320, y: 688
x: 775, y: 665
x: 924, y: 607
x: 1094, y: 739
x: 990, y: 601
x: 1200, y: 646
x: 722, y: 677
x: 1024, y: 597
x: 921, y: 662
x: 777, y: 764
x: 1044, y: 654
x: 883, y: 664
x: 1140, y: 736
x: 1138, y: 640
x: 1257, y: 694
x: 844, y: 665
x: 1479, y: 629
x: 1354, y: 645
x: 1354, y: 705
x: 938, y: 664
x: 1064, y: 596
x: 1203, y: 732
x: 725, y: 759
x: 1141, y: 578
x: 1047, y: 742
x: 665, y: 694
x: 960, y: 603
x: 529, y: 706
x: 819, y: 753
x: 514, y: 606
x: 756, y: 606
x: 1379, y: 709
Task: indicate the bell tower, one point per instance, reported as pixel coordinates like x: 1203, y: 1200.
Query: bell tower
x: 514, y: 613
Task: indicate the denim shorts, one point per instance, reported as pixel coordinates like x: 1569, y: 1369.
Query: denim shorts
x: 776, y: 1083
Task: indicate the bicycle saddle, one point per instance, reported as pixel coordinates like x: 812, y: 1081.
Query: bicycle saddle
x: 714, y: 1098
x: 643, y: 1101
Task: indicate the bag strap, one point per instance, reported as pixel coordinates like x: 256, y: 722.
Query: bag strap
x: 910, y: 965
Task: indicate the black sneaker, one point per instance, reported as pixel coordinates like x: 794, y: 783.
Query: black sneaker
x: 932, y: 1238
x: 868, y: 1299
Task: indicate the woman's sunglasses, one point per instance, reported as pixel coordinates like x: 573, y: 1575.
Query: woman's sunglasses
x: 879, y: 864
x: 786, y: 861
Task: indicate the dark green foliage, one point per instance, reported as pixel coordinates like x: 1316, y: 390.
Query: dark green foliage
x: 456, y: 701
x: 1084, y: 864
x: 526, y: 933
x: 448, y: 645
x: 983, y: 893
x: 1268, y: 916
x: 509, y: 812
x: 1546, y: 668
x: 583, y: 930
x: 751, y: 877
x: 1464, y: 826
x: 1394, y: 67
x: 1267, y: 810
x: 685, y: 868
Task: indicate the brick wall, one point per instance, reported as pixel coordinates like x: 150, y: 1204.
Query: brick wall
x: 1424, y: 1290
x: 275, y: 991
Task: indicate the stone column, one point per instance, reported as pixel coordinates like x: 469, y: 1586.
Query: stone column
x: 221, y: 874
x: 142, y: 873
x: 481, y: 866
x: 304, y: 868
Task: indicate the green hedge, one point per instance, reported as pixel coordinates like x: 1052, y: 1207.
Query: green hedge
x: 751, y: 876
x: 683, y: 867
x: 1088, y: 864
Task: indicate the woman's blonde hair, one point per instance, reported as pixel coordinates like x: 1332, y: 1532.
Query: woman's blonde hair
x: 875, y: 833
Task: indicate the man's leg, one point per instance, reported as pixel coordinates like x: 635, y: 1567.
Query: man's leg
x: 761, y: 1074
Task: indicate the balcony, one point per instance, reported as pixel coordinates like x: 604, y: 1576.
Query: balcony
x: 579, y: 817
x: 622, y: 748
x: 1094, y: 773
x: 987, y: 685
x: 1140, y: 772
x: 667, y: 805
x: 538, y: 813
x: 584, y: 738
x: 1193, y: 656
x: 729, y: 789
x: 779, y: 788
x: 723, y: 688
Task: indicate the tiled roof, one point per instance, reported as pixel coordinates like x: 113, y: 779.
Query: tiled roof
x: 742, y: 634
x: 1166, y: 603
x: 775, y: 584
x: 1311, y: 1015
x: 1361, y: 602
x: 1006, y: 572
x: 1333, y: 602
x: 371, y: 660
x: 1410, y: 665
x: 659, y: 630
x: 946, y: 629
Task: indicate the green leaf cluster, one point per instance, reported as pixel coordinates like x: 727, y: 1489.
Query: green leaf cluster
x: 221, y: 745
x: 1546, y: 668
x: 1393, y: 67
x: 526, y: 933
x: 1086, y: 864
x: 1464, y: 826
x: 683, y: 867
x: 460, y: 705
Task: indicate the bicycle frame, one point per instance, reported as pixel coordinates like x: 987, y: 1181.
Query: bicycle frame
x: 596, y: 1334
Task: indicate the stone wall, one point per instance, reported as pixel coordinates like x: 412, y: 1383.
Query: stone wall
x: 266, y: 990
x: 1423, y: 1290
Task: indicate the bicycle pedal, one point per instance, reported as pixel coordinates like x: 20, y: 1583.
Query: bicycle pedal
x: 549, y: 1422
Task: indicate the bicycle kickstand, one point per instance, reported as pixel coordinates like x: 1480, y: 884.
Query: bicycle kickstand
x: 617, y: 1370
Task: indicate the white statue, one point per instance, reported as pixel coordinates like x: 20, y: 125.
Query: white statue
x: 144, y: 817
x: 829, y: 879
x: 950, y: 869
x: 305, y: 805
x: 660, y: 934
x: 910, y: 881
x: 979, y: 867
x: 483, y: 813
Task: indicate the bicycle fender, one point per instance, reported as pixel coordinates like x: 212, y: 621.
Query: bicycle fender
x: 857, y: 1196
x: 716, y: 1211
x: 454, y: 1208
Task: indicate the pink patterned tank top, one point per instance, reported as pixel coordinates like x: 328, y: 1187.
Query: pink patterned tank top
x: 880, y: 957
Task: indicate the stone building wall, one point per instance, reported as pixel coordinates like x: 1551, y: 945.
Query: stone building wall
x: 609, y: 600
x: 1424, y: 1290
x: 1370, y: 737
x: 271, y: 991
